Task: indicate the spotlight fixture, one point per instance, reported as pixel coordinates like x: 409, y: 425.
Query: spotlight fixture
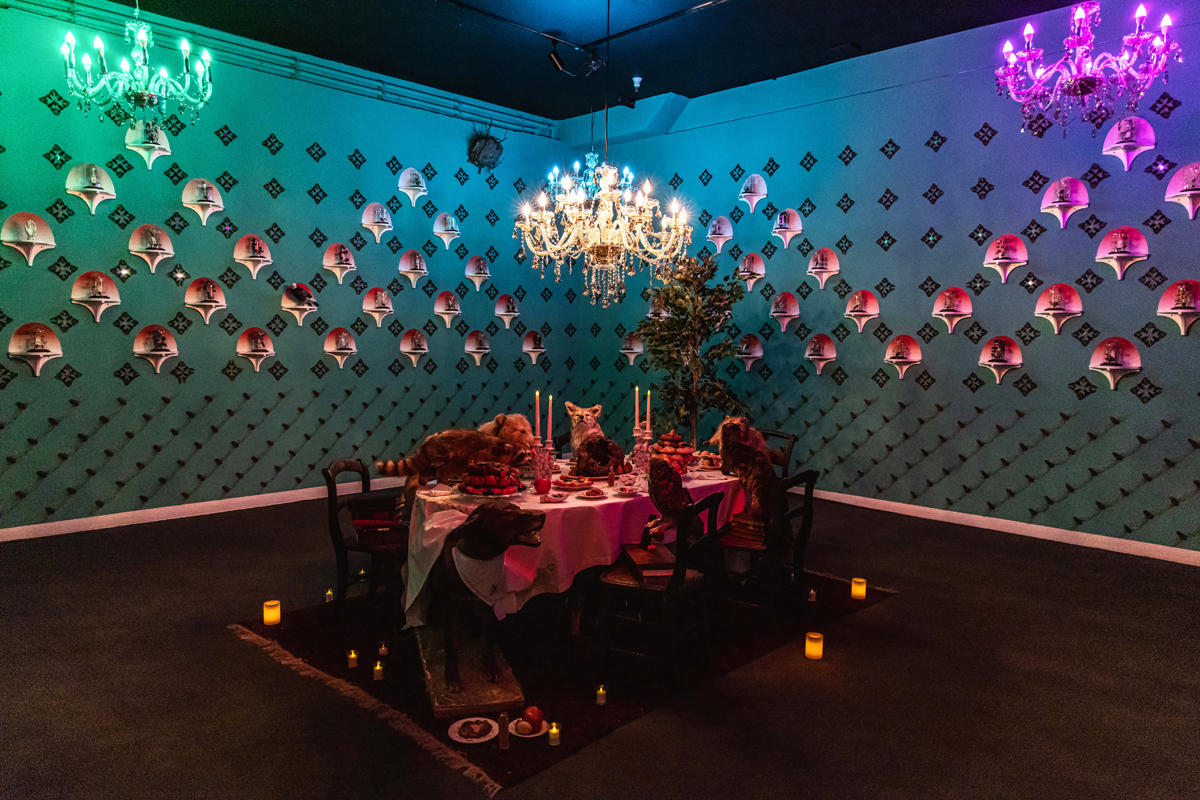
x: 556, y: 59
x: 628, y: 102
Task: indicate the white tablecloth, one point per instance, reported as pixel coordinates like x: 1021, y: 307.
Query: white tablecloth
x: 578, y: 534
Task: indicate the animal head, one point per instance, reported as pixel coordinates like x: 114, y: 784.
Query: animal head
x: 584, y: 418
x: 733, y: 429
x: 741, y: 423
x: 492, y: 528
x: 661, y: 470
x: 512, y: 428
x: 504, y: 453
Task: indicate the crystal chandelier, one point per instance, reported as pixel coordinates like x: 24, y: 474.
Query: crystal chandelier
x: 136, y: 92
x: 1092, y: 82
x: 597, y: 214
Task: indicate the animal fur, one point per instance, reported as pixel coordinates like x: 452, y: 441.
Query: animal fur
x: 486, y: 534
x: 746, y: 435
x: 751, y: 467
x: 584, y: 423
x: 598, y: 455
x: 512, y: 428
x: 671, y: 500
x: 445, y: 456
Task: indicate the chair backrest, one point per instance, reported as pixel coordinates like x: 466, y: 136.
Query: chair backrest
x: 330, y: 473
x: 781, y: 456
x: 803, y: 512
x: 561, y: 441
x: 707, y: 511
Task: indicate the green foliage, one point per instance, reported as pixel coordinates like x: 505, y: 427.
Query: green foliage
x: 695, y: 308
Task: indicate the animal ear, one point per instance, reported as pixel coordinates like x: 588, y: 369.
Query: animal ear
x: 596, y: 411
x: 500, y: 420
x: 571, y: 407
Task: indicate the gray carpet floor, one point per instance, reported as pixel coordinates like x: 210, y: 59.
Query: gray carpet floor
x: 1005, y: 667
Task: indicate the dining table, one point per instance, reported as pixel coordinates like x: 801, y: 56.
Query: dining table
x: 579, y: 533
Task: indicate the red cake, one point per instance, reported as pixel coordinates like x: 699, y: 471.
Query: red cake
x: 488, y: 479
x: 672, y: 447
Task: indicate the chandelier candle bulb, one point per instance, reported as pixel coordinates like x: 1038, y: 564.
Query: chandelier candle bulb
x: 814, y: 646
x: 99, y: 45
x: 858, y: 588
x: 352, y: 659
x: 271, y: 612
x: 378, y: 670
x: 601, y: 695
x: 554, y: 736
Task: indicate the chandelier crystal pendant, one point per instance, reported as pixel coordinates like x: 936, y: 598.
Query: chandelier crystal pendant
x: 136, y: 92
x: 598, y: 215
x: 1084, y: 80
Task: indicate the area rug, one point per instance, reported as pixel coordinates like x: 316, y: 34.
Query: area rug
x: 559, y: 671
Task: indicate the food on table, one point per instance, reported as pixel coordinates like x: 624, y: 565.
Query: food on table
x: 524, y: 728
x: 709, y: 460
x: 489, y: 479
x: 474, y: 729
x: 672, y: 447
x: 554, y: 497
x: 593, y: 493
x: 598, y: 456
x: 571, y: 484
x: 533, y: 715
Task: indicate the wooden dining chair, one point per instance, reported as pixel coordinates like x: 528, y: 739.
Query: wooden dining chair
x: 798, y: 522
x: 391, y: 554
x: 667, y: 611
x: 561, y: 441
x: 781, y: 456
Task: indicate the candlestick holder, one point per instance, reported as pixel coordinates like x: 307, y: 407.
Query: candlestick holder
x: 642, y: 438
x: 543, y: 461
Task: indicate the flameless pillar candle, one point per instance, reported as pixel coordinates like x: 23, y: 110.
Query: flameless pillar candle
x: 329, y: 595
x: 858, y: 588
x: 271, y: 612
x: 814, y: 646
x: 555, y: 733
x: 601, y: 695
x: 352, y: 659
x: 378, y: 670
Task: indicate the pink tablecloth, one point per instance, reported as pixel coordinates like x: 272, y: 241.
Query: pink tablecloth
x: 578, y: 534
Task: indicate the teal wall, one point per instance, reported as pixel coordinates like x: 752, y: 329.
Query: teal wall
x: 98, y: 445
x: 1114, y: 463
x: 1118, y: 463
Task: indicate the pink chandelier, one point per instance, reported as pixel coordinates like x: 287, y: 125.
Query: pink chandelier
x: 1084, y: 80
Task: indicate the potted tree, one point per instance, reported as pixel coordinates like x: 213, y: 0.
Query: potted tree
x: 688, y: 312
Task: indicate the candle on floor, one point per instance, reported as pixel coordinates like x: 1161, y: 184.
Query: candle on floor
x: 555, y: 731
x: 329, y: 595
x: 352, y: 658
x: 271, y: 612
x: 812, y: 595
x: 378, y: 670
x: 814, y: 646
x: 383, y: 648
x: 858, y: 588
x: 601, y: 695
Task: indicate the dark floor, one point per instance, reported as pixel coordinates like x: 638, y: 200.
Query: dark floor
x: 1005, y: 667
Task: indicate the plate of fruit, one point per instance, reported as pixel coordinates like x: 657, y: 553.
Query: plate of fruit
x: 529, y: 724
x: 487, y: 479
x: 473, y: 730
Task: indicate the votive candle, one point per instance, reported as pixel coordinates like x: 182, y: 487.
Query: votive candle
x: 814, y: 646
x: 378, y: 670
x: 352, y: 659
x: 383, y: 648
x: 601, y: 695
x: 271, y: 612
x: 858, y: 588
x: 554, y: 735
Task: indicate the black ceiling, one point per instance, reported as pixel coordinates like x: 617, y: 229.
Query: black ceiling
x: 725, y: 43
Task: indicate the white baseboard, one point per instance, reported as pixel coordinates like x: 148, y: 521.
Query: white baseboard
x: 1145, y: 549
x: 105, y: 521
x: 141, y: 516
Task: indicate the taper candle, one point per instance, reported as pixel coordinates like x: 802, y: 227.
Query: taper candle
x: 858, y: 588
x: 271, y: 612
x: 637, y: 406
x: 814, y: 646
x: 550, y: 422
x: 537, y: 415
x: 647, y: 409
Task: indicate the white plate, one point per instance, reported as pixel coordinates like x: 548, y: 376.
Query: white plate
x: 512, y: 728
x: 491, y: 735
x: 585, y: 496
x: 632, y: 493
x: 549, y: 500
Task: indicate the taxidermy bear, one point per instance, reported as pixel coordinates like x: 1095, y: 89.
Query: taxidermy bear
x: 486, y: 534
x: 512, y: 428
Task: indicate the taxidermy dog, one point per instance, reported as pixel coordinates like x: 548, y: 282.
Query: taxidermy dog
x: 746, y: 435
x: 512, y: 428
x: 584, y: 423
x: 486, y: 534
x: 760, y: 484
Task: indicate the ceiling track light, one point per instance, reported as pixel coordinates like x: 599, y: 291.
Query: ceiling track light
x: 556, y: 59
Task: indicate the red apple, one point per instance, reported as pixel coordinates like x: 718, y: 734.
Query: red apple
x: 542, y: 485
x: 533, y: 715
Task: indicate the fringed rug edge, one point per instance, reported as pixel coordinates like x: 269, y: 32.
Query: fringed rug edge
x: 396, y: 720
